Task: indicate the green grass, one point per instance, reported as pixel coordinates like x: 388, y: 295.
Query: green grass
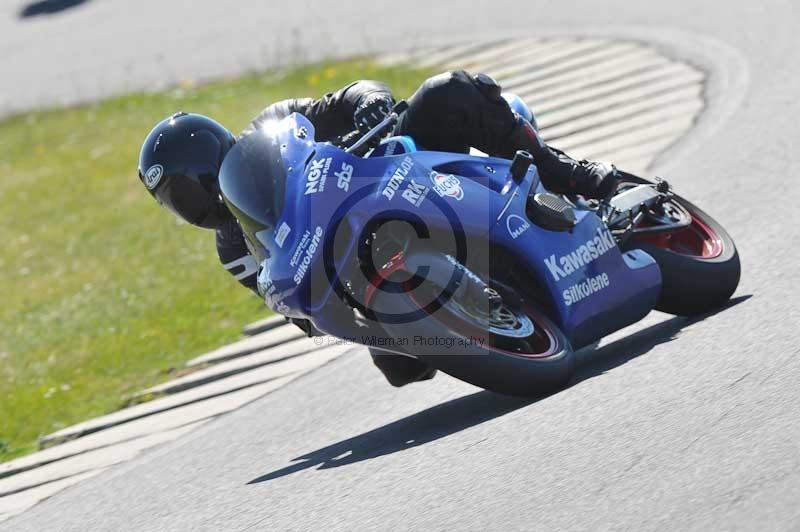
x: 103, y: 292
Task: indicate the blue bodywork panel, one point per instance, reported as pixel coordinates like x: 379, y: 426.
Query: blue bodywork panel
x: 593, y: 287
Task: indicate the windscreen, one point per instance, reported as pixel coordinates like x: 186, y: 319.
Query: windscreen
x: 253, y: 183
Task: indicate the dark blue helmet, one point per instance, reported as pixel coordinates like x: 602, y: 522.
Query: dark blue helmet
x: 179, y: 164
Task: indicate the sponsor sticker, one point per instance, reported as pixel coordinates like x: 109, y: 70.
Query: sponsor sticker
x: 343, y: 177
x: 302, y: 266
x: 315, y: 181
x: 584, y: 289
x: 447, y: 185
x: 415, y: 193
x: 397, y: 178
x: 517, y: 225
x: 153, y: 176
x: 588, y: 252
x: 301, y: 247
x: 281, y: 234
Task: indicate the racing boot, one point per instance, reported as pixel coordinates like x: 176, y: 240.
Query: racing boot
x: 400, y: 370
x: 561, y: 173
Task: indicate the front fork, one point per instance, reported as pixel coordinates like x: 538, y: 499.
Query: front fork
x: 452, y: 279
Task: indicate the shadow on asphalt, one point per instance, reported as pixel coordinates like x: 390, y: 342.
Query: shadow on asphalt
x: 48, y: 7
x: 470, y: 410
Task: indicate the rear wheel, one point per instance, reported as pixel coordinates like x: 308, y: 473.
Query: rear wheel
x: 513, y: 349
x: 699, y: 263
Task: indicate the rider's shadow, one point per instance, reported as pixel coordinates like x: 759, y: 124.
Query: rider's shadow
x: 468, y: 411
x: 418, y: 429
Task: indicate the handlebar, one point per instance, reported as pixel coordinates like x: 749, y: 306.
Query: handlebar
x: 362, y: 145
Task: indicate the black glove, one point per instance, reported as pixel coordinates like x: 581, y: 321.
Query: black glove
x: 372, y: 111
x: 600, y: 180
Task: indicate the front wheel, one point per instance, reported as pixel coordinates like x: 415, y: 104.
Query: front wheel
x: 699, y: 264
x: 514, y: 349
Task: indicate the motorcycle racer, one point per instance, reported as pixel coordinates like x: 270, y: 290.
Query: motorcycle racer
x: 181, y: 157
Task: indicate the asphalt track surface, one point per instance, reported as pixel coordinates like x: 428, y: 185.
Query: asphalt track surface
x: 679, y: 424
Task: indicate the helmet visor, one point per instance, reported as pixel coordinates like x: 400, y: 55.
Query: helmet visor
x: 187, y: 198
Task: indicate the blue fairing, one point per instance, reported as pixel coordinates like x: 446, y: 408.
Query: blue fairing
x: 593, y: 287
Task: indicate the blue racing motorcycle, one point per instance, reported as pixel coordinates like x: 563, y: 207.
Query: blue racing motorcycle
x: 465, y: 262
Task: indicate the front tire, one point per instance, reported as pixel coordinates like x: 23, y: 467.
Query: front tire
x: 532, y: 362
x: 700, y: 266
